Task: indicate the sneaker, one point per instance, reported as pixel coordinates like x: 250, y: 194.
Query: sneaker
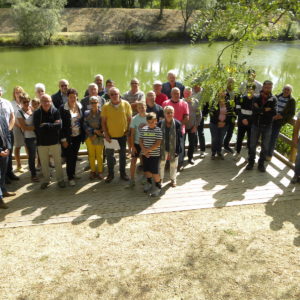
x: 173, y: 183
x: 261, y: 168
x: 228, y: 150
x: 237, y: 156
x: 155, y: 192
x: 295, y: 179
x: 44, y: 185
x: 61, y: 184
x: 72, y: 182
x: 20, y: 170
x: 147, y: 187
x: 202, y: 154
x: 221, y: 155
x: 249, y: 166
x: 191, y: 161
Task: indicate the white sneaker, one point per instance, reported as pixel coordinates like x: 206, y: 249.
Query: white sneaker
x: 72, y: 182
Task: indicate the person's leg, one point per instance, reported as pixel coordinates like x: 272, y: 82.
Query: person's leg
x: 248, y: 129
x: 273, y: 138
x: 297, y: 162
x: 122, y: 162
x: 75, y: 145
x: 9, y: 173
x: 17, y: 157
x: 181, y: 154
x: 191, y: 137
x: 110, y: 155
x: 265, y: 142
x: 91, y: 154
x: 31, y: 147
x: 55, y: 151
x: 240, y: 137
x: 255, y: 132
x: 99, y: 157
x: 214, y: 138
x: 228, y: 135
x: 44, y: 158
x: 201, y: 136
x: 162, y: 166
x: 173, y: 170
x: 221, y: 133
x: 3, y: 171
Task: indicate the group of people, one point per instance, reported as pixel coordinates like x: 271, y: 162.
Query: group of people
x: 154, y: 127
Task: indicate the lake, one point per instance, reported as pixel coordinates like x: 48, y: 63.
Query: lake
x: 272, y: 60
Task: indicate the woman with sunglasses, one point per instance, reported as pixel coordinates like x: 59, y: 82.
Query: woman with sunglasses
x: 94, y: 141
x: 25, y: 119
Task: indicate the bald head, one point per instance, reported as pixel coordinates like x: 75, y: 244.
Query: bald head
x: 46, y: 102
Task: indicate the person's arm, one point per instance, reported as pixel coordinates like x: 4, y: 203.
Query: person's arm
x: 105, y: 129
x: 296, y: 132
x: 12, y: 120
x: 154, y: 146
x: 23, y: 125
x: 131, y: 140
x: 56, y: 124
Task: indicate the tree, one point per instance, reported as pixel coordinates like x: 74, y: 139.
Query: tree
x: 37, y: 20
x: 242, y: 23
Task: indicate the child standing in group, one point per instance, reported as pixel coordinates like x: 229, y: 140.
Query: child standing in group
x: 137, y: 123
x: 150, y: 140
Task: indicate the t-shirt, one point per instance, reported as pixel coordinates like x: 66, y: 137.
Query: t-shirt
x: 181, y: 108
x: 150, y: 137
x: 282, y: 101
x: 6, y: 109
x: 116, y: 118
x: 161, y: 98
x: 131, y: 98
x: 138, y: 123
x: 75, y: 123
x: 157, y: 109
x: 28, y: 121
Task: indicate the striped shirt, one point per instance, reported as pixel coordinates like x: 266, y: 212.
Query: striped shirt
x: 149, y: 137
x: 282, y: 103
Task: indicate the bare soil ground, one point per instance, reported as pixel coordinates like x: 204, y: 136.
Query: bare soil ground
x: 229, y: 253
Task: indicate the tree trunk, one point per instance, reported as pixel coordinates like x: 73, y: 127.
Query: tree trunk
x: 286, y: 37
x: 162, y: 4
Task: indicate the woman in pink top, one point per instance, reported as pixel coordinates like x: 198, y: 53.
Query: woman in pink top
x: 220, y: 115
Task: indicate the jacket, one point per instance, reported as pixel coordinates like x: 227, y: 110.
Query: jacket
x: 288, y: 112
x: 66, y: 130
x: 178, y: 135
x: 57, y: 99
x: 260, y: 115
x: 49, y: 133
x: 244, y: 109
x: 5, y: 143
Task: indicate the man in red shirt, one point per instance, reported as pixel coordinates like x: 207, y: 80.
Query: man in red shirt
x: 160, y: 97
x: 181, y: 113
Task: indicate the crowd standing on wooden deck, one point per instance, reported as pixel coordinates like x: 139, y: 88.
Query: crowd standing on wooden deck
x: 154, y: 127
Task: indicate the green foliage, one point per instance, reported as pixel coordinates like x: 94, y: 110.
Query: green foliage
x: 37, y: 20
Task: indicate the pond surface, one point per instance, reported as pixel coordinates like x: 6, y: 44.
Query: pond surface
x: 276, y: 61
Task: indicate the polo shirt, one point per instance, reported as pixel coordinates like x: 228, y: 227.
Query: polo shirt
x: 116, y: 117
x: 161, y: 98
x: 181, y: 108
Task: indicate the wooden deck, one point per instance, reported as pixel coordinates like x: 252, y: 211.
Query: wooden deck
x: 207, y: 184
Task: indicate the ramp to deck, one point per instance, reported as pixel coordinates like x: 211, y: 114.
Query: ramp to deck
x: 207, y: 184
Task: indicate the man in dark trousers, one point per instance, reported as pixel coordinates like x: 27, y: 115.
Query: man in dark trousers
x: 264, y: 109
x: 5, y: 148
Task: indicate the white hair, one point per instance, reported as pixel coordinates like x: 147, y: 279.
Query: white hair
x: 93, y: 85
x: 288, y: 86
x: 175, y: 89
x: 168, y: 108
x: 40, y: 86
x: 99, y: 75
x: 172, y: 72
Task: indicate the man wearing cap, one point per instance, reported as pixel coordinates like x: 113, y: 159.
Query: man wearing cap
x: 168, y: 86
x: 160, y: 97
x: 61, y: 97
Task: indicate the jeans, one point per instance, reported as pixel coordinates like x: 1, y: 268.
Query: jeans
x: 242, y: 129
x: 110, y: 155
x: 201, y: 136
x: 256, y: 131
x: 3, y: 170
x: 217, y: 137
x: 297, y: 162
x: 31, y: 148
x: 229, y: 134
x: 191, y: 136
x: 71, y: 153
x: 276, y: 126
x: 9, y: 168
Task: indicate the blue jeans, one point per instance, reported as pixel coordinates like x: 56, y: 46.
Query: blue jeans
x: 31, y: 148
x: 276, y: 126
x: 3, y: 169
x: 297, y: 162
x: 256, y: 131
x: 110, y: 155
x: 217, y: 137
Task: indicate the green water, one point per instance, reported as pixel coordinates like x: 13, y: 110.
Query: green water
x: 276, y: 61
